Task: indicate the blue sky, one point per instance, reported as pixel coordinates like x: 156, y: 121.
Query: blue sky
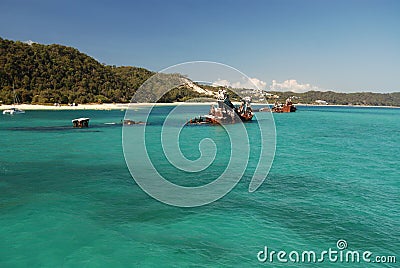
x: 345, y: 46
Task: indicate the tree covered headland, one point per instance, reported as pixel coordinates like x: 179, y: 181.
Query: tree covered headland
x: 55, y: 73
x: 41, y: 74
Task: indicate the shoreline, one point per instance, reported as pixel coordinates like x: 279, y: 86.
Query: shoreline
x: 105, y: 106
x: 342, y: 105
x: 124, y: 106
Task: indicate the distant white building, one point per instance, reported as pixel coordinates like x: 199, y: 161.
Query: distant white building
x: 321, y: 102
x: 29, y: 42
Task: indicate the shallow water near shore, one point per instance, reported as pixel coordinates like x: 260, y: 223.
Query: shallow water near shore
x: 67, y: 197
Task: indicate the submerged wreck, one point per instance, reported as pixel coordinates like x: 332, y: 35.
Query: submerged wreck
x: 132, y: 122
x: 225, y: 112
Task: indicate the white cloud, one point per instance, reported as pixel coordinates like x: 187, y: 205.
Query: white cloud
x: 251, y: 83
x: 292, y: 85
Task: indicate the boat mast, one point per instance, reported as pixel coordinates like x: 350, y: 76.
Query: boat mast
x: 15, y: 97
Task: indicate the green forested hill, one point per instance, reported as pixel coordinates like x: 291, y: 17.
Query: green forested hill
x: 55, y: 73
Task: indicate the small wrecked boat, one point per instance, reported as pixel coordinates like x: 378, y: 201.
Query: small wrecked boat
x: 225, y: 112
x: 81, y: 122
x: 288, y: 107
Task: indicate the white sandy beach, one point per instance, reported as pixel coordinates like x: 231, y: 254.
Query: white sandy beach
x: 124, y: 106
x: 66, y: 107
x: 106, y: 106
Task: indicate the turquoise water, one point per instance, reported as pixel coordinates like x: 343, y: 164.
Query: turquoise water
x: 67, y: 197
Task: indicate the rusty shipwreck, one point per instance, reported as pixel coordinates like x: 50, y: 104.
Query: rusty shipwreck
x: 224, y: 112
x: 288, y: 107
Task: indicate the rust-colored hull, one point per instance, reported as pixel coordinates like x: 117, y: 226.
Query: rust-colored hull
x: 284, y: 109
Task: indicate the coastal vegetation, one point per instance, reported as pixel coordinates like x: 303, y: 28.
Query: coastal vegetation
x: 336, y: 98
x: 41, y: 74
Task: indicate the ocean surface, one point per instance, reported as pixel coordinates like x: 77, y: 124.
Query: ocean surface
x: 68, y: 199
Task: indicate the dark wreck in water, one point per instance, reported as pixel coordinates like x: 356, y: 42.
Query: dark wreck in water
x: 225, y: 112
x: 81, y: 122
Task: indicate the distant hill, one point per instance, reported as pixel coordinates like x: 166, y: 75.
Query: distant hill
x: 55, y: 73
x: 361, y: 98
